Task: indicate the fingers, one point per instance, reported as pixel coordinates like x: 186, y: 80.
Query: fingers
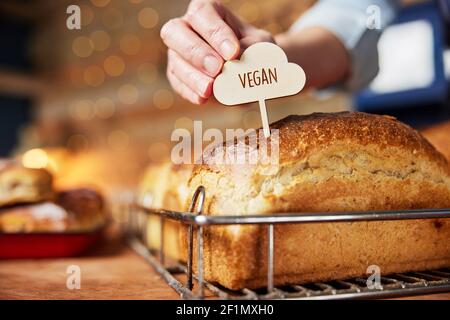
x: 199, y: 44
x: 178, y: 36
x: 183, y: 90
x: 197, y: 81
x: 205, y: 19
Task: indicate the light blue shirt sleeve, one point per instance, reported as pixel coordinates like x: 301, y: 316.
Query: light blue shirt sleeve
x: 358, y: 24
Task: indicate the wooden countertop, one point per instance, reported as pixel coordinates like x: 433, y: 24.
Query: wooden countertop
x: 109, y: 271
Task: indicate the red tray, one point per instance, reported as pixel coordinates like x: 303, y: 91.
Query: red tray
x: 46, y: 245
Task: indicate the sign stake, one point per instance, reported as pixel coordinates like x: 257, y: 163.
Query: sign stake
x: 264, y: 118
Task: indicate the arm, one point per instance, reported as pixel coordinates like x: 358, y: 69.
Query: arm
x: 200, y: 42
x: 331, y: 42
x: 319, y: 52
x: 336, y: 41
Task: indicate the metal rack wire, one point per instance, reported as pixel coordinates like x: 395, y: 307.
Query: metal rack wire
x: 401, y: 284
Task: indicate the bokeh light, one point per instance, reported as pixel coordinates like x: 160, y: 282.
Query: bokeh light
x: 87, y: 15
x: 94, y: 76
x: 114, y: 66
x: 163, y: 99
x: 104, y: 108
x: 82, y: 46
x: 82, y: 110
x: 148, y: 18
x: 147, y: 73
x: 184, y: 123
x: 35, y: 159
x: 100, y: 40
x: 128, y: 94
x: 130, y: 44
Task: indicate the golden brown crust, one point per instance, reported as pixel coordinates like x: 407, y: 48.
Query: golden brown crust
x: 324, y: 252
x: 74, y: 210
x: 153, y: 186
x: 439, y: 136
x: 164, y: 186
x: 373, y: 151
x: 303, y: 135
x: 23, y: 185
x: 328, y: 162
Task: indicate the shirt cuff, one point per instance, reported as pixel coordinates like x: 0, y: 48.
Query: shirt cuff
x: 348, y: 20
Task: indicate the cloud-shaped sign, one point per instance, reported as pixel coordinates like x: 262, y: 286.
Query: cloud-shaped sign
x: 262, y: 73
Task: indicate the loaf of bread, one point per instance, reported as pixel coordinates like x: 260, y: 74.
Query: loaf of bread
x: 439, y: 136
x: 164, y: 186
x: 23, y: 185
x: 327, y: 162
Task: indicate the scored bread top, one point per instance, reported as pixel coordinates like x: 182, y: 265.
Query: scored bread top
x: 301, y: 135
x: 304, y: 133
x: 331, y: 162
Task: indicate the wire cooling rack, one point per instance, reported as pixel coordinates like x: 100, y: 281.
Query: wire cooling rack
x: 399, y: 284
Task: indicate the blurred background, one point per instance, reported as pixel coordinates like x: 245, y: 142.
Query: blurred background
x: 93, y: 105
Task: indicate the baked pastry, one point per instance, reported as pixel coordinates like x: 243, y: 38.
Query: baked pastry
x: 164, y: 186
x: 74, y: 210
x: 40, y: 217
x: 345, y: 161
x: 85, y: 205
x: 23, y: 185
x: 439, y: 136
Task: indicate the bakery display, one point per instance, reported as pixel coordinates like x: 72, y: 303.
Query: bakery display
x: 76, y: 210
x: 439, y: 136
x: 29, y: 203
x: 23, y: 185
x: 164, y: 186
x: 328, y: 162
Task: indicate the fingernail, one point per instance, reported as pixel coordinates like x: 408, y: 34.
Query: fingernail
x: 227, y: 49
x: 202, y: 86
x: 211, y: 64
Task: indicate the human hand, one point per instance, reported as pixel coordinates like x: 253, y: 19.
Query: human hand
x: 200, y: 42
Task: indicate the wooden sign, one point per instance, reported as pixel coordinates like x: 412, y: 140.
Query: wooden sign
x: 263, y: 72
